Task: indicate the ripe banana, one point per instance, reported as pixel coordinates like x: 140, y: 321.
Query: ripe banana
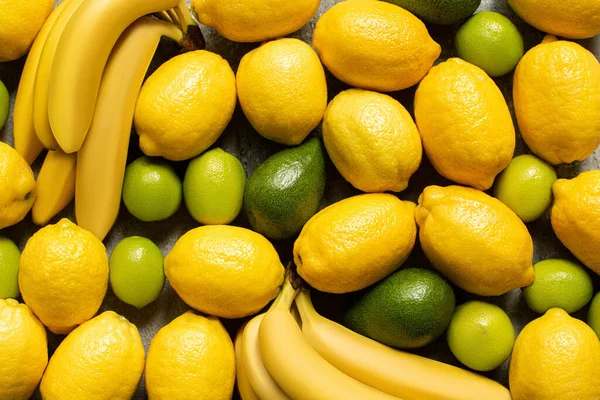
x: 298, y: 369
x: 55, y: 186
x: 400, y: 374
x: 102, y: 158
x: 80, y: 59
x: 243, y: 385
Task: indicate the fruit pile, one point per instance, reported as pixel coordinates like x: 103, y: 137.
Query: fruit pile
x: 251, y: 326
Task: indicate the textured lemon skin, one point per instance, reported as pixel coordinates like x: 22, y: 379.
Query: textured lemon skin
x: 191, y: 358
x: 63, y: 275
x: 575, y: 216
x: 102, y: 359
x: 255, y: 20
x: 372, y: 140
x: 355, y: 242
x: 18, y: 186
x: 185, y: 105
x: 574, y: 19
x: 556, y: 93
x: 474, y: 240
x: 23, y: 351
x: 465, y: 124
x: 20, y: 22
x: 282, y: 90
x: 226, y: 271
x: 374, y: 45
x: 555, y: 357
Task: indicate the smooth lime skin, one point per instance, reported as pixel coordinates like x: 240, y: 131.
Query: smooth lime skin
x: 593, y: 318
x: 559, y: 283
x: 213, y: 187
x: 152, y: 191
x: 440, y: 12
x: 9, y: 269
x: 136, y: 271
x: 490, y: 41
x: 525, y: 186
x: 481, y: 335
x: 4, y: 105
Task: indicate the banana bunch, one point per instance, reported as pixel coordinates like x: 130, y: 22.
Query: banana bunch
x: 77, y: 98
x: 318, y: 359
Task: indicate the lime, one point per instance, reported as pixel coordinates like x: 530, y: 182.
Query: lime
x: 4, y: 105
x: 441, y: 12
x: 594, y: 314
x: 10, y: 257
x: 559, y: 283
x: 525, y: 186
x: 136, y: 271
x: 152, y: 191
x: 481, y: 335
x: 490, y: 41
x: 213, y: 187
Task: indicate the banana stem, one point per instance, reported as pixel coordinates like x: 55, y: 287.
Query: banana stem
x: 193, y: 40
x: 163, y: 16
x: 304, y: 304
x: 184, y: 16
x: 286, y: 296
x: 174, y: 17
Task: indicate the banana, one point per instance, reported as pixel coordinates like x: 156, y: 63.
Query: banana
x: 80, y: 59
x: 392, y: 371
x: 55, y: 186
x: 102, y: 158
x: 243, y: 385
x: 298, y: 369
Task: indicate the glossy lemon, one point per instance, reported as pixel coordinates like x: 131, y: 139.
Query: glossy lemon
x: 18, y: 186
x: 20, y: 22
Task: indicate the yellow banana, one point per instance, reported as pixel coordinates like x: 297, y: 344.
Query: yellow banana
x: 296, y: 367
x: 80, y: 59
x: 102, y: 158
x: 55, y: 186
x: 242, y: 383
x: 400, y: 374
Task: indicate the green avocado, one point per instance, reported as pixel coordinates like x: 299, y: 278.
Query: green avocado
x: 440, y: 12
x: 286, y: 190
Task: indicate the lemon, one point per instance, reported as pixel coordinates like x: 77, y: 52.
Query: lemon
x: 20, y: 23
x: 372, y: 140
x: 575, y: 216
x: 355, y: 242
x: 282, y: 90
x: 23, y: 351
x: 255, y: 20
x: 575, y: 19
x: 593, y: 319
x: 556, y: 94
x: 4, y: 105
x: 474, y: 240
x: 465, y: 124
x: 63, y: 275
x: 185, y: 105
x: 374, y: 45
x: 103, y: 359
x: 18, y: 186
x: 555, y: 357
x: 481, y: 335
x: 191, y: 358
x: 227, y: 271
x: 9, y: 268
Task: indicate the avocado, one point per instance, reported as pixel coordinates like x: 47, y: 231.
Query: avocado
x: 440, y: 12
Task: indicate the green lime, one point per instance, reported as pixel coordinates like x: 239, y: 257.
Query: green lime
x: 481, y: 335
x: 213, y: 187
x: 9, y: 269
x: 559, y: 283
x: 490, y: 41
x: 594, y: 314
x: 152, y: 191
x: 441, y: 12
x: 525, y: 186
x: 136, y: 271
x: 4, y: 105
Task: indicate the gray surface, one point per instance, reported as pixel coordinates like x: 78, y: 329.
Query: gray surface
x: 241, y: 140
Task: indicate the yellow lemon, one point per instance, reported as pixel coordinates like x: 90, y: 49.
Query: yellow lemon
x: 63, y: 275
x: 255, y: 20
x: 555, y: 357
x: 282, y: 90
x: 102, y: 359
x: 372, y: 140
x: 465, y: 124
x: 574, y: 19
x: 185, y: 105
x: 23, y: 351
x: 18, y: 186
x: 374, y: 45
x: 575, y: 216
x: 475, y: 240
x: 20, y: 22
x: 191, y: 358
x: 227, y: 271
x: 355, y: 242
x: 556, y: 94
